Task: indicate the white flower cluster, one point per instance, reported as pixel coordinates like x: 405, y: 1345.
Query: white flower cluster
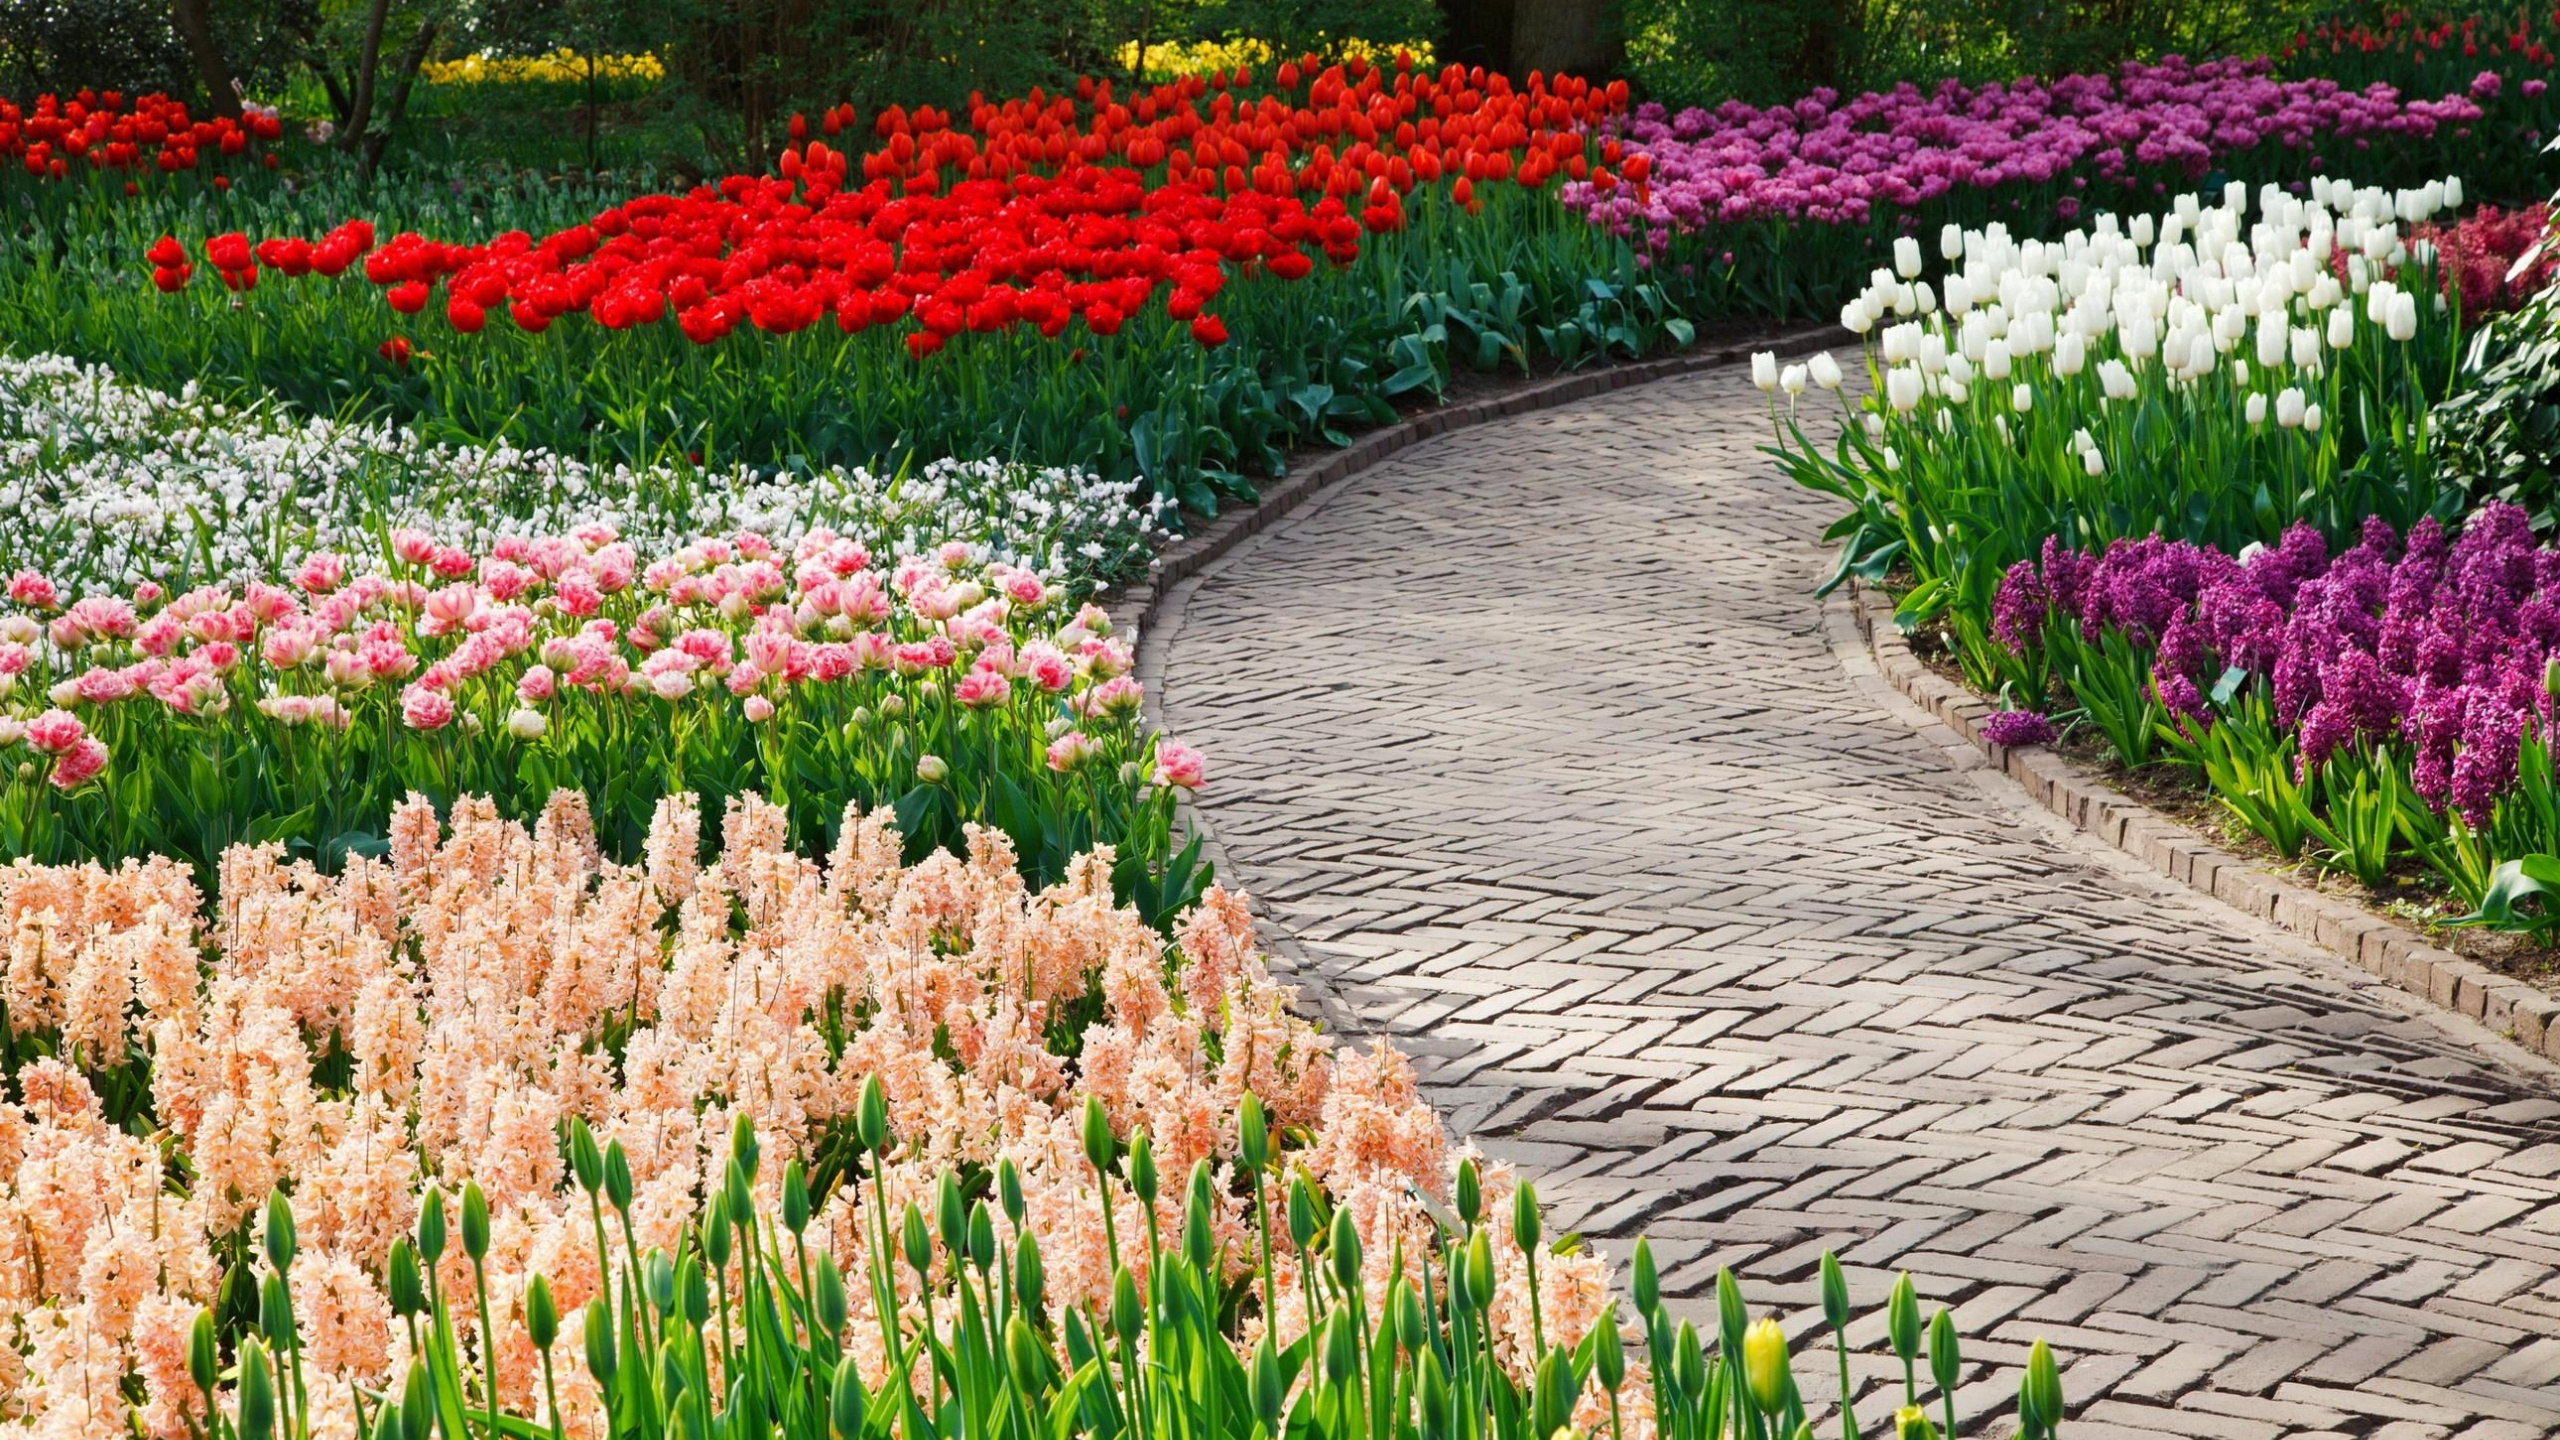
x: 108, y: 483
x: 2199, y: 290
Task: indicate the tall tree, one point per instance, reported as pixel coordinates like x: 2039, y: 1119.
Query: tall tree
x: 195, y: 26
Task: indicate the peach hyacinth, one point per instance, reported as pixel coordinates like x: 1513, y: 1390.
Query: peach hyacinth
x: 437, y: 1016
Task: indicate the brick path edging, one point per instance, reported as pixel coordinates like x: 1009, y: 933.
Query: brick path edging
x: 2350, y: 931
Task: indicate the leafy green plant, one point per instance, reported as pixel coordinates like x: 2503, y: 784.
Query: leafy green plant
x: 747, y: 1329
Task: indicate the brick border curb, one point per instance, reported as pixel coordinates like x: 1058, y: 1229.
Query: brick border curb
x: 2380, y: 946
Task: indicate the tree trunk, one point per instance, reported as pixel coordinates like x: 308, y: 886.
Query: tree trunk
x: 368, y: 72
x: 197, y: 28
x: 1479, y: 32
x: 1576, y: 37
x: 410, y: 59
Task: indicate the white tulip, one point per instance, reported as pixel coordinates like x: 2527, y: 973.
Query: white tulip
x: 1826, y: 371
x: 1855, y: 319
x: 2342, y: 327
x: 2289, y: 407
x: 2022, y: 398
x: 2311, y: 419
x: 2093, y: 462
x: 2070, y: 354
x: 1951, y: 241
x: 2255, y: 409
x: 1902, y: 387
x: 1764, y: 369
x: 1995, y: 360
x: 2306, y: 347
x: 2402, y: 322
x: 527, y: 725
x: 1792, y: 380
x: 1906, y: 257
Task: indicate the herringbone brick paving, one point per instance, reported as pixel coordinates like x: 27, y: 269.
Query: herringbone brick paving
x: 1540, y: 756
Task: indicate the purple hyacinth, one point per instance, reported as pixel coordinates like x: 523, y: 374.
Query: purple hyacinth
x: 2440, y: 643
x: 2017, y: 727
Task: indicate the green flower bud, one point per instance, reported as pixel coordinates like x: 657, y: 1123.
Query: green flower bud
x: 408, y: 1288
x: 204, y: 1352
x: 1028, y: 1279
x: 871, y: 1115
x: 1302, y: 1211
x: 541, y: 1316
x: 1480, y: 1273
x: 1413, y: 1327
x: 716, y: 1234
x: 275, y: 1312
x: 1270, y: 1392
x: 1142, y: 1169
x: 586, y: 1162
x: 1524, y: 1216
x: 1436, y: 1410
x: 2040, y: 1389
x: 257, y: 1394
x: 617, y: 1177
x: 795, y: 1196
x: 431, y: 1228
x: 1009, y: 1191
x: 917, y: 1244
x: 1731, y: 1317
x: 846, y: 1404
x: 742, y: 1143
x: 1946, y: 1358
x: 1099, y: 1147
x: 1024, y: 1355
x: 1902, y: 1318
x: 658, y: 1278
x: 693, y: 1294
x: 1689, y: 1362
x: 951, y: 1221
x: 1128, y: 1317
x: 1646, y: 1281
x: 602, y: 1361
x: 1609, y: 1350
x: 1199, y: 1220
x: 1470, y: 1192
x: 1255, y: 1133
x: 1341, y: 1353
x: 475, y: 1221
x: 982, y: 1236
x: 1343, y: 1249
x: 280, y: 1245
x: 832, y: 1303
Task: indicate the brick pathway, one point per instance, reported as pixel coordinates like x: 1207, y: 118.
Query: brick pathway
x: 1535, y: 744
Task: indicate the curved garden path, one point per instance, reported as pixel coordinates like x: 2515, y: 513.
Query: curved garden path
x: 1540, y: 755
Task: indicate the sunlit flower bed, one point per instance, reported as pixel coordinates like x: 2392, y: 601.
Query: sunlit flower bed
x: 303, y: 707
x: 493, y: 1130
x: 1831, y: 160
x: 112, y: 484
x: 2211, y: 373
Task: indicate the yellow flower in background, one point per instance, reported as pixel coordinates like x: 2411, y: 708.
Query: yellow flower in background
x: 559, y: 66
x: 1172, y: 60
